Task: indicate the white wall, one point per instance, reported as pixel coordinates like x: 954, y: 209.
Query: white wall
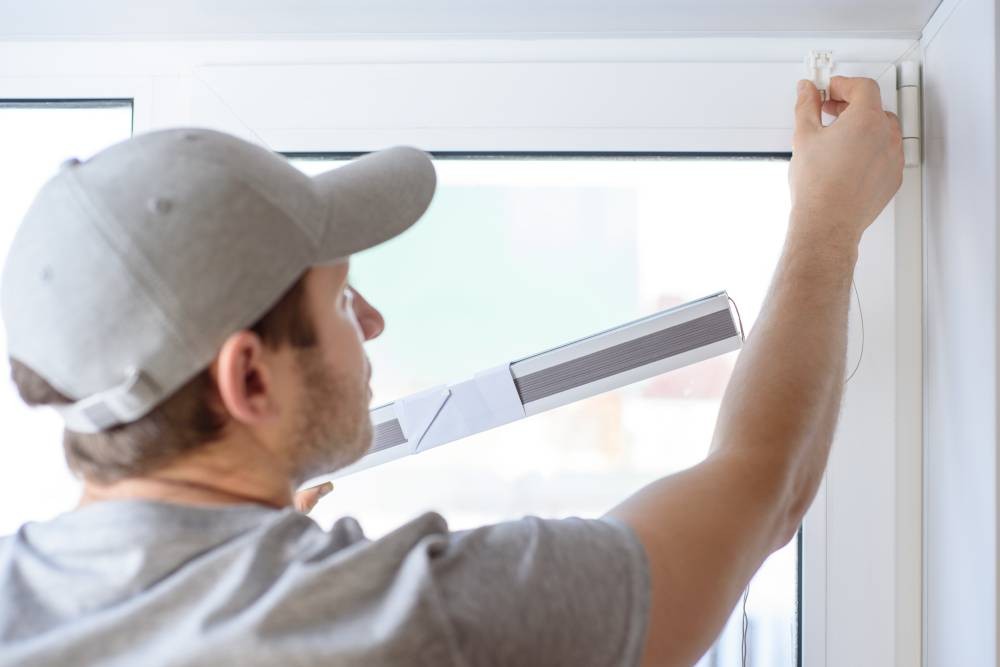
x: 960, y: 204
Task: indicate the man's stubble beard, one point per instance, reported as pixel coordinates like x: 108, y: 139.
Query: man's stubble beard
x: 334, y: 427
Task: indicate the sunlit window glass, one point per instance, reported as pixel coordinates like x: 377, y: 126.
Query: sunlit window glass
x: 517, y: 255
x: 36, y: 138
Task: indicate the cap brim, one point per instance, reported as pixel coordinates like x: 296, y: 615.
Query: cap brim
x: 373, y: 198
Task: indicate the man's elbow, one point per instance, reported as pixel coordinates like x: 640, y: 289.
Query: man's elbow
x: 800, y: 495
x: 768, y: 490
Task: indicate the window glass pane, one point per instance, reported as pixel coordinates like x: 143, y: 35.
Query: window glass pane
x: 36, y: 139
x: 517, y: 255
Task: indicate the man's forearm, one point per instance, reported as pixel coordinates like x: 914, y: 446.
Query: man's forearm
x: 781, y: 406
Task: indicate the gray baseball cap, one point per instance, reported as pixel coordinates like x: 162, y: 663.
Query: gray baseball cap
x: 130, y: 269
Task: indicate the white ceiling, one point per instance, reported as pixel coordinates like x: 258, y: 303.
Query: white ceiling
x: 198, y: 19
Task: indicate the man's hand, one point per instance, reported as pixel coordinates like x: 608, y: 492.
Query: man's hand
x: 306, y: 499
x: 843, y: 175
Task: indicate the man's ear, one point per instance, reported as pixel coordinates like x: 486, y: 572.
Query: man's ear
x: 245, y: 376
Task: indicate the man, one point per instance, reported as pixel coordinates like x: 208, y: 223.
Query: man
x: 182, y: 300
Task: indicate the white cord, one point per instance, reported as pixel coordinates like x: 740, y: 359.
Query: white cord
x: 861, y: 317
x: 746, y: 625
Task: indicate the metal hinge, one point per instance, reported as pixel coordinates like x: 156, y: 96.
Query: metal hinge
x: 908, y: 91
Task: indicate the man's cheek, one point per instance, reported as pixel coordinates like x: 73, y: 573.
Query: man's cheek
x: 352, y: 317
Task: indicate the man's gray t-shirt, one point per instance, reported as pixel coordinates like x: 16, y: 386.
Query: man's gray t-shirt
x: 147, y: 583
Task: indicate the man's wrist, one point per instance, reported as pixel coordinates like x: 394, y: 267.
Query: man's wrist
x: 822, y: 234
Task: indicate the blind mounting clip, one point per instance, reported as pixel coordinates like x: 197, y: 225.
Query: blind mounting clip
x: 819, y: 68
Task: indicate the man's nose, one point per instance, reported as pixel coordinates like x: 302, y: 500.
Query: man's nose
x: 371, y: 320
x: 373, y: 325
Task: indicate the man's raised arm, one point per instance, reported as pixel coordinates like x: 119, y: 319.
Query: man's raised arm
x: 706, y: 530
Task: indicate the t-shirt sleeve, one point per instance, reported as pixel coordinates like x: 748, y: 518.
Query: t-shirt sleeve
x: 546, y: 592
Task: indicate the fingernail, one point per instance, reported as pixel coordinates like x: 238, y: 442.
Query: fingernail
x: 801, y: 85
x: 325, y: 489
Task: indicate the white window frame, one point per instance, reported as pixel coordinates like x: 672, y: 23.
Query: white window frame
x: 862, y: 537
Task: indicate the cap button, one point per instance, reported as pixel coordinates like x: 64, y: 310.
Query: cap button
x: 159, y: 205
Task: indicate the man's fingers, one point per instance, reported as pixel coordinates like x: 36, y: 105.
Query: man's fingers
x: 833, y: 107
x: 306, y: 500
x: 807, y: 107
x: 857, y: 90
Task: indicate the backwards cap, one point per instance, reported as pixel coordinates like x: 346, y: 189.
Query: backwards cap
x: 131, y: 269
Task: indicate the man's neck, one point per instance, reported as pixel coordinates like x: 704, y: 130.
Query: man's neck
x: 222, y: 473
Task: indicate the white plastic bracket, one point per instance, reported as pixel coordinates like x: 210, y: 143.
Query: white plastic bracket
x: 819, y: 69
x: 417, y: 413
x: 908, y: 91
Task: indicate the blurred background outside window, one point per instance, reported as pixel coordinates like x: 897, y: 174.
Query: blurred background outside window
x: 517, y: 255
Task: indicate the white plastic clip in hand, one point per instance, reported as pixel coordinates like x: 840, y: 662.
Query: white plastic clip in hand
x: 819, y: 68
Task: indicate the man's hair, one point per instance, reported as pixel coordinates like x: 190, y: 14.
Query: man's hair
x: 189, y: 418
